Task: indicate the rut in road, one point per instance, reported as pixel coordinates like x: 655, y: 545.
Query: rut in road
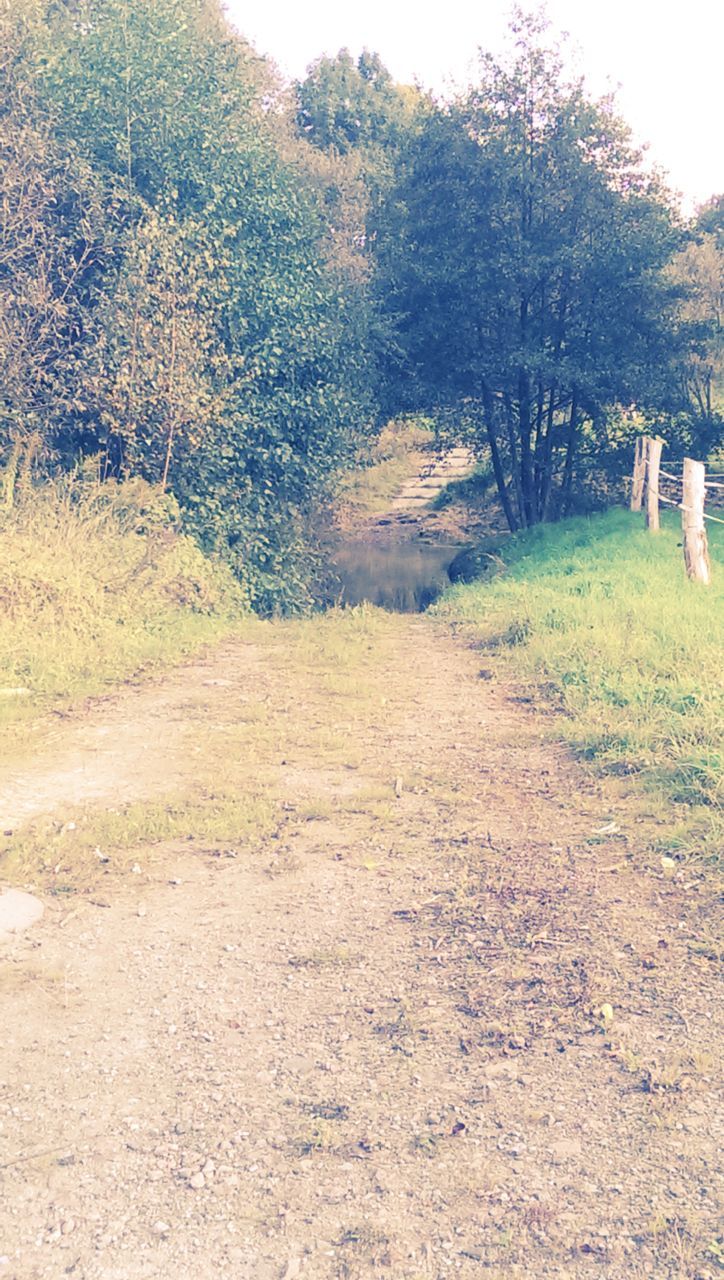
x: 369, y: 1041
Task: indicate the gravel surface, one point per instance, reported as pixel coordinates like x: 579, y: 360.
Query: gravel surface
x: 443, y: 1021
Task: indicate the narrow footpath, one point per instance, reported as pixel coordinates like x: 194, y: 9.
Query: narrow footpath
x: 399, y: 999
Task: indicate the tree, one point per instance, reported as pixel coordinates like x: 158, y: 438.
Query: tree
x: 55, y: 241
x: 350, y: 105
x: 221, y: 355
x: 358, y: 123
x: 524, y: 254
x: 697, y: 272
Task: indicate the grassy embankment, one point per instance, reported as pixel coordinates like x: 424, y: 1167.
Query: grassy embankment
x: 599, y: 616
x: 96, y: 585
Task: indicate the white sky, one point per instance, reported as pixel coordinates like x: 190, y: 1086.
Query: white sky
x: 666, y: 59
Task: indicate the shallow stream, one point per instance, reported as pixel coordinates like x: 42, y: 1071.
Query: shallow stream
x: 402, y: 576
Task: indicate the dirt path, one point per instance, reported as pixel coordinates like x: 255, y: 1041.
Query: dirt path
x: 369, y: 1043
x: 420, y: 490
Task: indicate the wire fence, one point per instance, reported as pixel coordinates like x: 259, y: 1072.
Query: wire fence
x: 689, y: 492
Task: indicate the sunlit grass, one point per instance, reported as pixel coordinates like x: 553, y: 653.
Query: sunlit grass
x: 91, y: 594
x: 238, y: 786
x: 76, y: 852
x: 599, y: 615
x: 396, y: 455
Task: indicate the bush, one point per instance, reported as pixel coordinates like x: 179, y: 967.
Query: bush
x: 96, y: 581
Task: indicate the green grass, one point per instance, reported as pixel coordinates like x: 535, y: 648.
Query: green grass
x: 92, y: 845
x: 397, y: 454
x: 599, y: 615
x: 95, y: 585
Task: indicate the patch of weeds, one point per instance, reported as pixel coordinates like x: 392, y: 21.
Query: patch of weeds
x: 326, y: 1110
x: 317, y: 1137
x: 73, y: 855
x: 675, y: 1242
x: 401, y: 1031
x: 317, y: 810
x: 676, y: 1073
x: 472, y: 490
x: 376, y: 800
x: 97, y: 584
x: 15, y: 978
x: 709, y: 949
x: 283, y: 863
x: 601, y: 618
x: 426, y: 1144
x: 364, y: 1236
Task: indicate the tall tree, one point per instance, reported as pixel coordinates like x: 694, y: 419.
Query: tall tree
x: 224, y: 358
x: 697, y: 271
x: 524, y: 258
x: 55, y: 242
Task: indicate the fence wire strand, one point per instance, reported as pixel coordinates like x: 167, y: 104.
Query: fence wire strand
x: 682, y: 507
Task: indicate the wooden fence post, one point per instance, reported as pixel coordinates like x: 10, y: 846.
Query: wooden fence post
x: 639, y: 473
x: 652, y: 484
x: 696, y: 547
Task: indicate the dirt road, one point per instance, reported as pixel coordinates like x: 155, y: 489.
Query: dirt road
x: 437, y: 1016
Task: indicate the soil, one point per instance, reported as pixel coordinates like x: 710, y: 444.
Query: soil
x: 445, y: 1019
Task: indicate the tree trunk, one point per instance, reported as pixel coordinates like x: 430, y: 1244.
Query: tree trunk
x: 546, y: 482
x: 538, y: 445
x: 489, y: 414
x: 526, y: 459
x: 514, y: 464
x: 564, y: 504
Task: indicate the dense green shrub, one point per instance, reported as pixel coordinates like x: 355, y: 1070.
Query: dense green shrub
x: 192, y: 328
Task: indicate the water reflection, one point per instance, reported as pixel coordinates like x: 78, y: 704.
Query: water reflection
x: 404, y: 577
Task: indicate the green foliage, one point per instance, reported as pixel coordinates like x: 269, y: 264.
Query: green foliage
x: 523, y: 251
x: 472, y: 489
x: 212, y: 347
x: 599, y: 614
x: 350, y: 105
x: 97, y: 582
x: 697, y: 272
x: 203, y: 275
x: 54, y: 234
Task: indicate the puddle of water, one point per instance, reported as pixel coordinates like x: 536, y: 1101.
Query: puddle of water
x: 404, y: 577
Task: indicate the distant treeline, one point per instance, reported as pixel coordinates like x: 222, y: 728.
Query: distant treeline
x: 222, y: 284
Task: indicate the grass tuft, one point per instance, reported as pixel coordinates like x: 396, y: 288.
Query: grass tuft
x: 76, y: 854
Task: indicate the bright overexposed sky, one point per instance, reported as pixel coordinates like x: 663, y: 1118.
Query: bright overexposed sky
x: 665, y: 59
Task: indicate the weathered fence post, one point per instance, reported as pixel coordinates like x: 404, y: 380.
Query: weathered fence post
x: 639, y: 473
x: 696, y: 547
x: 652, y: 484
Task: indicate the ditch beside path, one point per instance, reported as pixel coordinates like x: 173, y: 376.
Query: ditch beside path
x: 430, y: 1021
